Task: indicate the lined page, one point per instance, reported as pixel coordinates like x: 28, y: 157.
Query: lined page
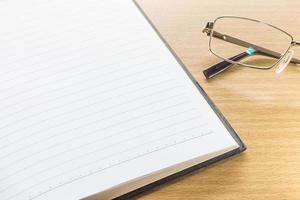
x: 91, y: 98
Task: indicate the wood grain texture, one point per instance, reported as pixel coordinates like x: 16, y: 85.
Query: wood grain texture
x: 263, y: 108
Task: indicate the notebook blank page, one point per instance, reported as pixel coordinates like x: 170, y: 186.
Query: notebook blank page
x: 91, y: 98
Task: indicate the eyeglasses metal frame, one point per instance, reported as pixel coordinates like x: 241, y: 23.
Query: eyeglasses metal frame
x: 228, y: 62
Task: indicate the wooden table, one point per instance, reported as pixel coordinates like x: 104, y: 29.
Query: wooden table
x: 263, y: 108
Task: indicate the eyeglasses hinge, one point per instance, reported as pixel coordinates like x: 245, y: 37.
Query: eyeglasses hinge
x: 294, y: 43
x: 208, y: 28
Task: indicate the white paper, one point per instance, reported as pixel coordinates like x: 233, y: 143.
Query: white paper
x: 91, y: 98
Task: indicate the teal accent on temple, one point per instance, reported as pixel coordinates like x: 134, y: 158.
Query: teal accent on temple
x: 250, y: 51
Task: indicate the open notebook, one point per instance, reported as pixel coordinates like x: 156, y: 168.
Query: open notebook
x: 92, y: 101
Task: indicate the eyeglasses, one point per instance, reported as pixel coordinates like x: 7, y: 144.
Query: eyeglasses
x: 253, y: 43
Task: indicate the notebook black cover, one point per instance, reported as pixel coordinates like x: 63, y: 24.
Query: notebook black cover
x: 241, y: 148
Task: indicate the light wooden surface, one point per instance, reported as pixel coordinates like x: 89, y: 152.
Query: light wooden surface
x: 262, y: 107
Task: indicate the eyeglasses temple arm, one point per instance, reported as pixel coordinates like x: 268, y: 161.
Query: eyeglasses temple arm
x: 221, y: 66
x: 260, y: 50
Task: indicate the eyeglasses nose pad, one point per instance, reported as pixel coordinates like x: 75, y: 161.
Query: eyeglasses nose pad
x: 284, y: 62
